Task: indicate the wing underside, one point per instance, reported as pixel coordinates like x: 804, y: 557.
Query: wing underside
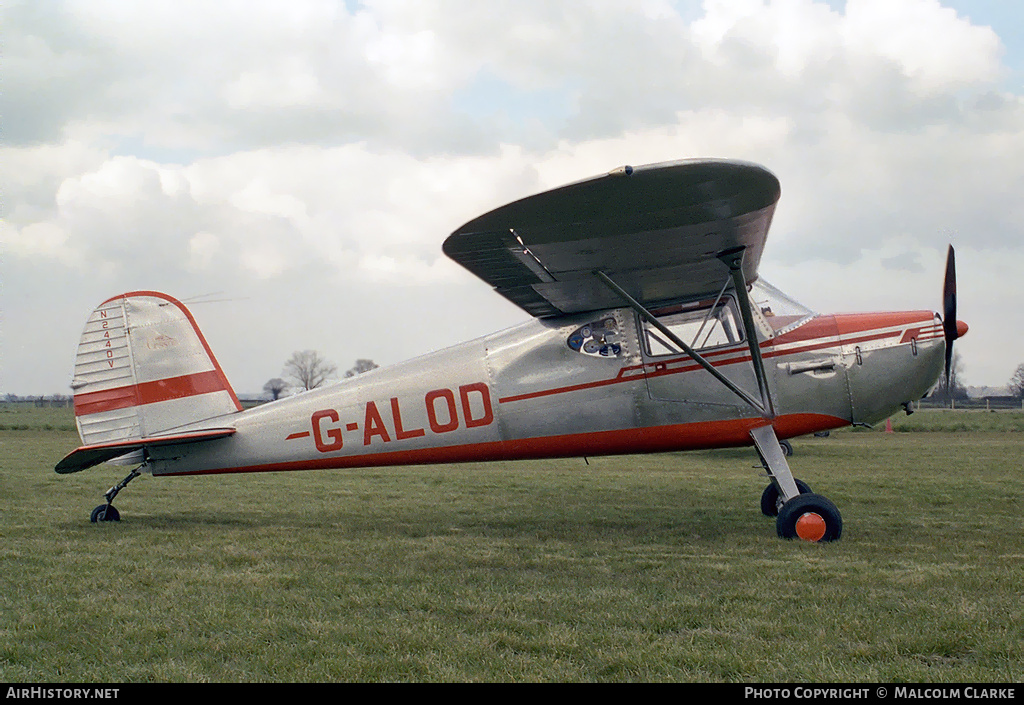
x: 656, y: 230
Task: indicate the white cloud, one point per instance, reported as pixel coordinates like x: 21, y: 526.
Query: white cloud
x: 203, y: 247
x: 937, y: 50
x: 313, y: 146
x: 36, y: 240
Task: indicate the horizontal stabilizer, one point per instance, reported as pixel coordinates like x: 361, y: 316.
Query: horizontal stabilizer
x: 87, y: 456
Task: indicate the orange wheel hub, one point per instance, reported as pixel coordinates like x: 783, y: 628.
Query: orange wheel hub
x: 810, y: 527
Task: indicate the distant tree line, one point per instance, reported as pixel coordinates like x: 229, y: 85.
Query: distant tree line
x: 53, y: 400
x: 306, y: 370
x: 953, y: 392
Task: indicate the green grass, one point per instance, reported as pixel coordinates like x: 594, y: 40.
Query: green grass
x: 25, y: 417
x: 949, y: 420
x: 653, y: 568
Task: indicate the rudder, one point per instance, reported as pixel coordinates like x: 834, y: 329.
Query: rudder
x: 144, y: 368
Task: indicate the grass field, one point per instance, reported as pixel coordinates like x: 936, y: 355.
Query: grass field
x: 654, y: 568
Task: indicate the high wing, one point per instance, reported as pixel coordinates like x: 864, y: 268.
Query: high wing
x: 656, y: 230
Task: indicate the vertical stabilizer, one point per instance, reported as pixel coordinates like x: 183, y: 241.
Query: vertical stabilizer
x: 143, y: 368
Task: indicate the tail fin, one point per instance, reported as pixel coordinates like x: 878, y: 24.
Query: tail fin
x: 144, y: 369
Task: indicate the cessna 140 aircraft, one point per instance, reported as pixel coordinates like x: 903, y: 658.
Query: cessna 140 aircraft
x: 650, y: 332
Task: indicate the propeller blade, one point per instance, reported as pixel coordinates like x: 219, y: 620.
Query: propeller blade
x: 949, y: 309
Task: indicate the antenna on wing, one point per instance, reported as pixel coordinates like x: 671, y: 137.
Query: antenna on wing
x: 208, y: 298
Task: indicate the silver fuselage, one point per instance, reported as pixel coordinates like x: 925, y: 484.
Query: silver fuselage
x: 526, y: 392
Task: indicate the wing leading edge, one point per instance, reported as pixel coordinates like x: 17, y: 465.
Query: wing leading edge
x: 656, y: 230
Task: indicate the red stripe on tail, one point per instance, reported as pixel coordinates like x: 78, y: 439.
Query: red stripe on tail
x: 150, y: 392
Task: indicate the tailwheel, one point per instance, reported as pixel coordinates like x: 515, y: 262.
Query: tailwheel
x: 770, y: 497
x: 810, y: 517
x: 105, y: 512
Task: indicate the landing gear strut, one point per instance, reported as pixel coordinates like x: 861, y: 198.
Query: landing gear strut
x: 107, y: 512
x: 801, y: 513
x: 770, y: 500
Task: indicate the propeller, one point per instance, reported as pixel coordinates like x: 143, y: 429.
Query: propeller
x: 949, y: 327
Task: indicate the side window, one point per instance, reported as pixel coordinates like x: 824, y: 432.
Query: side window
x: 599, y: 338
x: 697, y: 324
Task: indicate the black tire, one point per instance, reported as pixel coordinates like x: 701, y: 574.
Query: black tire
x: 809, y: 507
x: 787, y: 448
x: 770, y: 497
x: 104, y: 512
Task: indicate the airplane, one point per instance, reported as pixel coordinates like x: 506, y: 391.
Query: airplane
x: 650, y: 331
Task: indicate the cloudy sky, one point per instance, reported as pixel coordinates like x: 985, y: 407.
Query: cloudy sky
x: 290, y: 168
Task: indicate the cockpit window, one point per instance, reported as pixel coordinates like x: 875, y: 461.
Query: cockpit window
x: 698, y: 324
x: 601, y: 338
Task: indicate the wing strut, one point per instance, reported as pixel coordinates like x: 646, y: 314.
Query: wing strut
x: 733, y: 259
x: 650, y: 318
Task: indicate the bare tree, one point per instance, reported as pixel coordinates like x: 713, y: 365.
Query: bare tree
x: 361, y: 367
x: 275, y: 388
x: 1017, y: 382
x: 308, y: 369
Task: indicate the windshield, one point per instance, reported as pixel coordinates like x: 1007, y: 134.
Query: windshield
x: 780, y: 311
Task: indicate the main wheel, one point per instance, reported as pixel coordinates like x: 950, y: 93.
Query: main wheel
x: 810, y: 517
x: 787, y: 448
x: 770, y: 497
x: 104, y: 512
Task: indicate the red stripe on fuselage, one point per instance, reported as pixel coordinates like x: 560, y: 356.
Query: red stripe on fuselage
x: 150, y: 392
x: 693, y: 436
